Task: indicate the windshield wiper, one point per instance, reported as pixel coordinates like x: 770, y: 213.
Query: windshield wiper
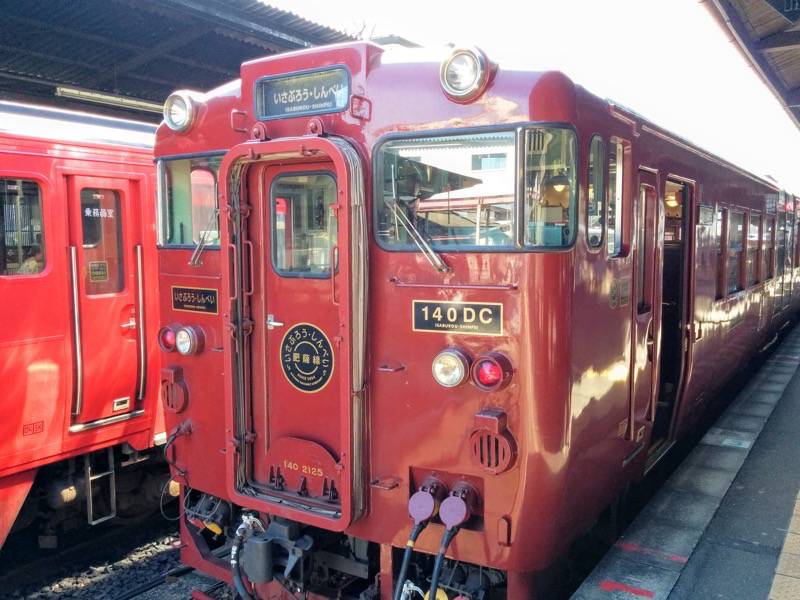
x: 205, y: 236
x: 414, y: 233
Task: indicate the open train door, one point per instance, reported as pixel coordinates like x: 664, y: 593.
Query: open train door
x: 296, y: 244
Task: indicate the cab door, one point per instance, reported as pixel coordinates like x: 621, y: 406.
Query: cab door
x: 294, y: 274
x: 102, y: 258
x: 305, y: 319
x: 646, y: 307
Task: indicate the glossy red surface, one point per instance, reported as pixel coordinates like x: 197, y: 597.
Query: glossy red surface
x: 585, y: 356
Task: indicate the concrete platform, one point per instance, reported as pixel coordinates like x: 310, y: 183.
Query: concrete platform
x: 726, y: 524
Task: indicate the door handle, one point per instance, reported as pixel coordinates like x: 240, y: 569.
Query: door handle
x: 272, y: 323
x: 130, y: 324
x: 650, y: 341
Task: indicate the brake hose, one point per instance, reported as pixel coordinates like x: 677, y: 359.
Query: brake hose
x: 248, y: 525
x: 412, y: 539
x: 236, y: 572
x: 448, y: 536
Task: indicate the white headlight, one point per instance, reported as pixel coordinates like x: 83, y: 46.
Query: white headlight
x: 188, y: 340
x: 464, y: 73
x: 179, y: 111
x: 450, y: 368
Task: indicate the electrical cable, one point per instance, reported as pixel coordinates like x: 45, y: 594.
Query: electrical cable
x: 412, y: 539
x: 448, y: 536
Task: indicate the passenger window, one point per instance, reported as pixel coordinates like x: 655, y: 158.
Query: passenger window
x: 735, y: 251
x: 768, y: 265
x: 781, y: 243
x: 720, y: 234
x: 22, y: 240
x: 595, y: 193
x: 101, y: 225
x: 304, y: 227
x: 753, y: 248
x: 796, y: 242
x: 614, y: 228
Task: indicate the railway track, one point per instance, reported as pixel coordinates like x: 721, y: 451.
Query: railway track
x: 94, y: 564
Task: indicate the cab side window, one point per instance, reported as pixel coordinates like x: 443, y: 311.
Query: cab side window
x: 21, y: 232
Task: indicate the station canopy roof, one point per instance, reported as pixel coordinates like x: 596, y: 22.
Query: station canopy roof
x: 138, y: 49
x: 767, y: 32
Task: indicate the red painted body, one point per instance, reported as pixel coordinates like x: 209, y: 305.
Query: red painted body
x: 43, y: 420
x: 586, y: 360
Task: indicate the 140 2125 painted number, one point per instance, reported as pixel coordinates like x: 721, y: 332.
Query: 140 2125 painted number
x: 290, y: 465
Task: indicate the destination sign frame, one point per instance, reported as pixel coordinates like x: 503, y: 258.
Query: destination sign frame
x: 302, y: 93
x: 195, y: 299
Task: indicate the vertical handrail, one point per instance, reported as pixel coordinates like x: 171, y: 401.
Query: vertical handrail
x: 76, y: 322
x: 141, y: 322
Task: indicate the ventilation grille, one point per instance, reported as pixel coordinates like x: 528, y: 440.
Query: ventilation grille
x: 494, y: 452
x: 173, y: 395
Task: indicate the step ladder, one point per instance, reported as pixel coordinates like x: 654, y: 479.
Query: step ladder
x: 100, y: 477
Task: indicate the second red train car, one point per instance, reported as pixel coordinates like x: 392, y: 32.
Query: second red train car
x: 79, y: 298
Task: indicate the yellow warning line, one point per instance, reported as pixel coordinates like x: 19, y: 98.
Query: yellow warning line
x: 786, y: 585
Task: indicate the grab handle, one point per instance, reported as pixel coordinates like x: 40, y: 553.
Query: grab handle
x: 234, y: 280
x: 334, y: 261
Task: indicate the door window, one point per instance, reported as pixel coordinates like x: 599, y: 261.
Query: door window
x: 304, y: 225
x: 753, y: 248
x: 641, y: 252
x: 21, y: 244
x: 101, y: 230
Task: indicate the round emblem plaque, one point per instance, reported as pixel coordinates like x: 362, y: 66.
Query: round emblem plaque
x: 306, y: 357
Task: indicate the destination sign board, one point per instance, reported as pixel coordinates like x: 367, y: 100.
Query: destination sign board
x: 308, y: 93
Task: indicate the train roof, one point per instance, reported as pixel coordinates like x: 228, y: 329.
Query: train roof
x: 72, y: 126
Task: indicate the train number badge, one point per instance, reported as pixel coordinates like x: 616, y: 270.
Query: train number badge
x: 477, y: 318
x: 307, y: 358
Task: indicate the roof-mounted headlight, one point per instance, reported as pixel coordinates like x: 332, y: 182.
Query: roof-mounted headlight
x: 179, y: 111
x: 464, y: 74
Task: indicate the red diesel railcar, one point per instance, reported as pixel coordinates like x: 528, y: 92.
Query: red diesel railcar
x: 446, y: 313
x: 78, y: 283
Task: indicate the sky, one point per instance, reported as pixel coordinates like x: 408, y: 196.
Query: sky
x: 666, y: 59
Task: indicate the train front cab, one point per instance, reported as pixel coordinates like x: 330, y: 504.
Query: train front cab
x: 568, y: 318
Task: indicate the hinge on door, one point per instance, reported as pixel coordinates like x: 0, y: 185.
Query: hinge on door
x: 247, y: 326
x: 242, y: 210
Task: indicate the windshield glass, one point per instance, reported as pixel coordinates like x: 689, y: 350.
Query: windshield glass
x: 189, y: 206
x: 459, y: 191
